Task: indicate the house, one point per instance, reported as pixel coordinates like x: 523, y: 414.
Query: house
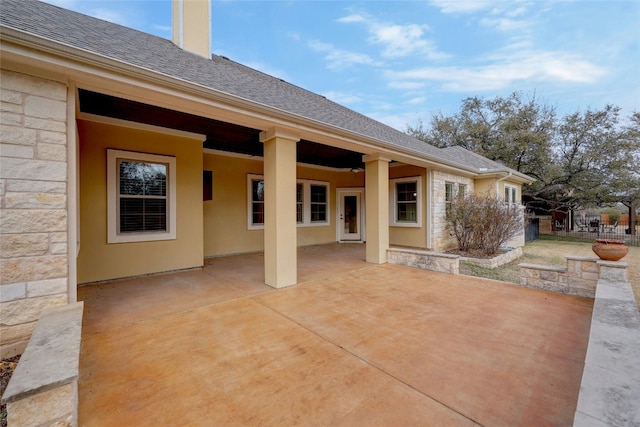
x: 126, y: 154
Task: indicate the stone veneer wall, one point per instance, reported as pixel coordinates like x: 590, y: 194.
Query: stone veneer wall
x: 425, y: 260
x: 579, y: 277
x: 442, y: 238
x: 33, y: 204
x: 496, y: 261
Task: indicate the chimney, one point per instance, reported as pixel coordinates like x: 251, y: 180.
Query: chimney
x: 191, y: 25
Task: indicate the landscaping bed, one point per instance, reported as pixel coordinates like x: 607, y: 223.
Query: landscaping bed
x: 7, y: 366
x: 551, y: 252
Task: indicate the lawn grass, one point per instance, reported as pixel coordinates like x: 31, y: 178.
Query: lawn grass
x: 552, y: 252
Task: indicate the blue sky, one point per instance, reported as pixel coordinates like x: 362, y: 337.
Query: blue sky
x: 400, y: 61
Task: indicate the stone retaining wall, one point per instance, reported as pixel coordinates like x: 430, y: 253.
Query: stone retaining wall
x: 496, y: 261
x: 33, y: 204
x: 610, y: 387
x: 579, y: 277
x: 426, y: 260
x: 43, y: 389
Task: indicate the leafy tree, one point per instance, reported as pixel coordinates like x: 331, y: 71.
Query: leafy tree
x: 514, y: 131
x: 582, y: 159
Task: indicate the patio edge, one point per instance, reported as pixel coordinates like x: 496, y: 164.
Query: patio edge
x: 610, y: 387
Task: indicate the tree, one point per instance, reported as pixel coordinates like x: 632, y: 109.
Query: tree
x: 514, y: 131
x: 582, y: 159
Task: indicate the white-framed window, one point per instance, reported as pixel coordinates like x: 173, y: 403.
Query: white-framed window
x: 510, y: 194
x: 449, y: 194
x: 319, y: 202
x: 312, y: 202
x: 141, y: 191
x: 300, y: 203
x: 462, y: 191
x: 452, y: 191
x: 406, y: 201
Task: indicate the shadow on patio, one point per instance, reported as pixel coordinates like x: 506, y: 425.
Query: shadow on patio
x: 352, y: 344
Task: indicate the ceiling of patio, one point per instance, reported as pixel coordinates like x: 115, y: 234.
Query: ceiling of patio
x: 220, y: 135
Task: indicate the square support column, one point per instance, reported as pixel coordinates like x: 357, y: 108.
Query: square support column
x: 377, y: 207
x: 280, y: 227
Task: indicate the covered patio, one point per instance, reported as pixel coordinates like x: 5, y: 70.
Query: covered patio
x: 352, y: 344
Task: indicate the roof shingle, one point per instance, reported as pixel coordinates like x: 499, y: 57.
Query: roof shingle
x: 159, y: 55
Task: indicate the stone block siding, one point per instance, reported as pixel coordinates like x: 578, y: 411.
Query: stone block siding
x: 425, y: 260
x: 442, y: 238
x: 579, y: 277
x: 33, y: 204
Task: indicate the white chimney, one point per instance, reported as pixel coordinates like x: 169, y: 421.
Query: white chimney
x: 191, y: 25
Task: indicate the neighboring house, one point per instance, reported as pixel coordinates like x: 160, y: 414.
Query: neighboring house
x: 124, y: 154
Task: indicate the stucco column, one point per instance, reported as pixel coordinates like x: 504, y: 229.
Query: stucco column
x: 377, y: 207
x: 280, y: 240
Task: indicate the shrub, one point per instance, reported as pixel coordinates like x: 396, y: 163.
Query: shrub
x: 482, y: 222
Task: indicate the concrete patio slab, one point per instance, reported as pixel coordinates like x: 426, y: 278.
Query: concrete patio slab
x: 359, y: 345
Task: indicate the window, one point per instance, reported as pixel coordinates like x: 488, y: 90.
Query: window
x: 510, y: 194
x: 318, y: 203
x: 448, y: 198
x: 462, y: 191
x: 406, y: 201
x: 256, y: 191
x: 299, y: 203
x: 450, y: 192
x: 312, y: 202
x: 207, y: 185
x: 141, y: 197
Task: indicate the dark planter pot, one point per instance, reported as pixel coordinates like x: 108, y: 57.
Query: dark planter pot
x: 610, y: 250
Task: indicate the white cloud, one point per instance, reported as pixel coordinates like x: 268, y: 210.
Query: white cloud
x: 338, y: 58
x: 399, y: 120
x: 352, y: 18
x: 417, y: 100
x: 406, y: 85
x: 504, y: 72
x: 462, y: 6
x: 397, y: 40
x: 505, y: 24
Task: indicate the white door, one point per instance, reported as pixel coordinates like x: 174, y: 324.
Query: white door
x: 350, y: 216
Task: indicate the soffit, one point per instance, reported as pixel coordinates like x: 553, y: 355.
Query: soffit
x: 221, y: 136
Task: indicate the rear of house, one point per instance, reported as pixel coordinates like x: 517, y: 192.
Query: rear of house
x: 125, y: 154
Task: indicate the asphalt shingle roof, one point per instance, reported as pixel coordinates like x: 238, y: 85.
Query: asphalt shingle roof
x: 160, y: 55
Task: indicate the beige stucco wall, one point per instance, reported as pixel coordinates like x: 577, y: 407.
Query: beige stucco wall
x: 488, y: 185
x: 98, y: 260
x: 225, y: 217
x: 33, y: 204
x: 485, y: 186
x: 410, y: 236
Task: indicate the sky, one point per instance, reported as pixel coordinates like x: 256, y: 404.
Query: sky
x: 403, y: 61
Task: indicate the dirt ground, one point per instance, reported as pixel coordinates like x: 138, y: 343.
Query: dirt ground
x: 552, y: 252
x: 6, y: 369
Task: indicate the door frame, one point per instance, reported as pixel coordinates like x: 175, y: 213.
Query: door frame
x: 340, y: 192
